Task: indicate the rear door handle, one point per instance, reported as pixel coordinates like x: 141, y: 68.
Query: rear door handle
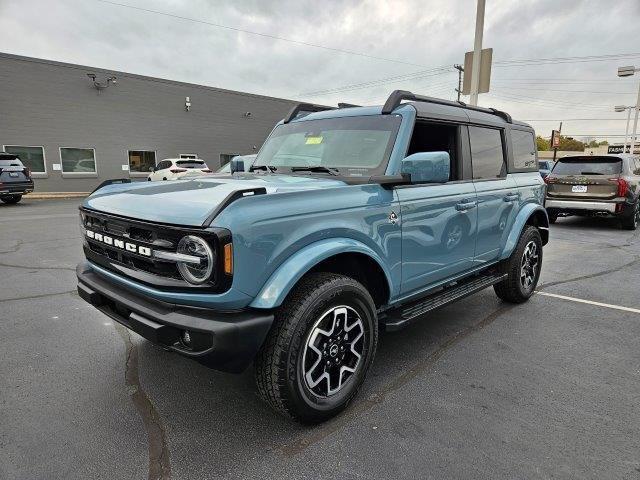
x: 466, y: 205
x: 511, y: 197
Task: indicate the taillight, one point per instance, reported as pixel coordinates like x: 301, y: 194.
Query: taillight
x: 178, y: 170
x: 623, y: 186
x: 549, y: 180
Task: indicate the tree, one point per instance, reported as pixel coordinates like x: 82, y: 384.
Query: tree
x: 569, y: 144
x: 542, y: 144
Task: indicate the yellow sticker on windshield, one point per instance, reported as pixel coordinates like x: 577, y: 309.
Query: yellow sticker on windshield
x: 313, y: 140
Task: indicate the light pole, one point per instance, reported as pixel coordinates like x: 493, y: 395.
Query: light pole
x: 628, y: 72
x: 622, y: 108
x: 477, y: 51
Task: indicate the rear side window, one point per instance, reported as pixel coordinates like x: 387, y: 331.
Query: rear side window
x: 487, y: 153
x: 588, y: 166
x: 524, y: 149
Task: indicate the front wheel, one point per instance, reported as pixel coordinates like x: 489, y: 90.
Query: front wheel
x: 320, y: 347
x: 522, y: 268
x: 10, y: 199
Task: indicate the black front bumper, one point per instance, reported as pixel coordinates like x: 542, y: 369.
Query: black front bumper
x: 16, y: 188
x: 225, y: 341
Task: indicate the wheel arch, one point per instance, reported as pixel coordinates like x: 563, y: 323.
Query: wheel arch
x: 531, y: 214
x: 344, y: 256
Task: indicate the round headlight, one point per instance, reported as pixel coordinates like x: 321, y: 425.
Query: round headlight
x: 192, y: 272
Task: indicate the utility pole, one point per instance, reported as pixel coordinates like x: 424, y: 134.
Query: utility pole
x: 634, y: 138
x: 460, y: 69
x: 477, y: 50
x: 626, y: 133
x: 555, y: 149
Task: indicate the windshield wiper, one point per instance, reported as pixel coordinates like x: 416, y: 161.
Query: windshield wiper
x: 266, y: 168
x: 317, y: 168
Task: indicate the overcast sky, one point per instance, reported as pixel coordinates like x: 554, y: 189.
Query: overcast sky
x: 416, y: 40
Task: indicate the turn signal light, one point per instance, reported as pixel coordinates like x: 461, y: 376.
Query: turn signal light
x: 623, y: 186
x: 228, y: 259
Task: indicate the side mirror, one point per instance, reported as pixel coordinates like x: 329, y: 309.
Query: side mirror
x: 236, y: 165
x: 152, y: 169
x: 427, y: 167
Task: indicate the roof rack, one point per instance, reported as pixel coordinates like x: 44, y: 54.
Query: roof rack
x: 305, y: 109
x: 397, y: 96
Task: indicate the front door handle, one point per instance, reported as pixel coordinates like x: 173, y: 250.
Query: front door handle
x: 511, y: 197
x: 466, y: 205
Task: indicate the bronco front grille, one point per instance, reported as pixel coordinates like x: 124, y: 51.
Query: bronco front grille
x: 137, y: 263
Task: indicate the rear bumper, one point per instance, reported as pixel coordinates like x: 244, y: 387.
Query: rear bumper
x: 20, y: 188
x: 567, y: 205
x: 226, y: 341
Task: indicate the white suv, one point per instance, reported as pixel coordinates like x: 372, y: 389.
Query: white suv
x: 176, y: 168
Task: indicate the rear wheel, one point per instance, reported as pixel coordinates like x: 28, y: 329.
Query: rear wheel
x: 11, y: 198
x: 319, y: 349
x: 631, y: 221
x: 522, y: 268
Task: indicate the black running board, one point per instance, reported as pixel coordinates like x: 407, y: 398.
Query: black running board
x: 399, y: 317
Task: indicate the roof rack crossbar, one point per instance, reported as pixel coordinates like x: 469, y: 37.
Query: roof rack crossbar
x: 305, y: 108
x: 397, y: 96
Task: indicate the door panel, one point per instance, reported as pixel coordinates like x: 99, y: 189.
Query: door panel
x: 438, y: 233
x: 498, y: 202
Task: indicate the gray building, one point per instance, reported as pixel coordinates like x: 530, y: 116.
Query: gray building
x: 74, y: 131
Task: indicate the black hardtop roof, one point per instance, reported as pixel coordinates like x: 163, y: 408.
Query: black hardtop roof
x: 426, y: 107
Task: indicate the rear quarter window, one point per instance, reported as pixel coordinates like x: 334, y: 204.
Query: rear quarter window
x: 524, y: 151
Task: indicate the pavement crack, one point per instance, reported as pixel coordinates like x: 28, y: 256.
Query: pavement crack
x: 159, y: 460
x: 42, y: 295
x: 13, y: 249
x: 423, y: 365
x: 26, y: 267
x: 635, y: 261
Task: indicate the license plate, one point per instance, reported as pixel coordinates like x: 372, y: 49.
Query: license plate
x: 579, y: 188
x: 13, y: 174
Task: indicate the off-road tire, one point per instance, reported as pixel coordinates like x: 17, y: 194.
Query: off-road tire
x: 631, y: 221
x: 279, y: 370
x: 512, y: 289
x: 11, y: 199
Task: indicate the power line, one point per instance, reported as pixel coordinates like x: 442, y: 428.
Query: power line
x: 566, y: 91
x: 260, y: 34
x: 573, y: 119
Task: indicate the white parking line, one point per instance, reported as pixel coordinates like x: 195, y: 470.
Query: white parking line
x: 580, y: 300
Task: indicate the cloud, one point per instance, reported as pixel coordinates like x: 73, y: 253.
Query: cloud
x: 427, y: 33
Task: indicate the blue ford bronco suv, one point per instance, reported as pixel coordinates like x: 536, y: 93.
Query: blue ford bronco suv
x: 350, y: 220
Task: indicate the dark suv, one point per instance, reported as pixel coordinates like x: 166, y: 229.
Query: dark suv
x: 15, y: 178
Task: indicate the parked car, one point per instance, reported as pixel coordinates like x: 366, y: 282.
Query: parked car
x: 545, y: 167
x: 247, y: 159
x: 595, y: 185
x: 15, y: 178
x: 349, y: 220
x: 178, y: 168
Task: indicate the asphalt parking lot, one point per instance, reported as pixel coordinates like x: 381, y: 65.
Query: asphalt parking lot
x: 479, y: 389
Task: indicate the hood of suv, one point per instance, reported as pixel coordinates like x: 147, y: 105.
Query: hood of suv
x: 192, y: 202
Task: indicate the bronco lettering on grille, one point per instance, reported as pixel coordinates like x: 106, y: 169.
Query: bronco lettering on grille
x: 121, y: 244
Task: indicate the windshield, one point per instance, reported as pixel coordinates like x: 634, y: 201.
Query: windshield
x: 595, y: 166
x: 10, y: 161
x: 191, y: 164
x: 349, y: 146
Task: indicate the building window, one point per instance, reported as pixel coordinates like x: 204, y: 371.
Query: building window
x: 140, y: 161
x: 190, y: 156
x: 31, y: 157
x: 226, y: 158
x: 487, y: 154
x: 78, y: 160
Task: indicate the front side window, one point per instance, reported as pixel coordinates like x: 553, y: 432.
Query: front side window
x: 78, y: 160
x: 487, y: 153
x: 524, y: 150
x: 141, y: 160
x: 31, y: 157
x: 349, y: 146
